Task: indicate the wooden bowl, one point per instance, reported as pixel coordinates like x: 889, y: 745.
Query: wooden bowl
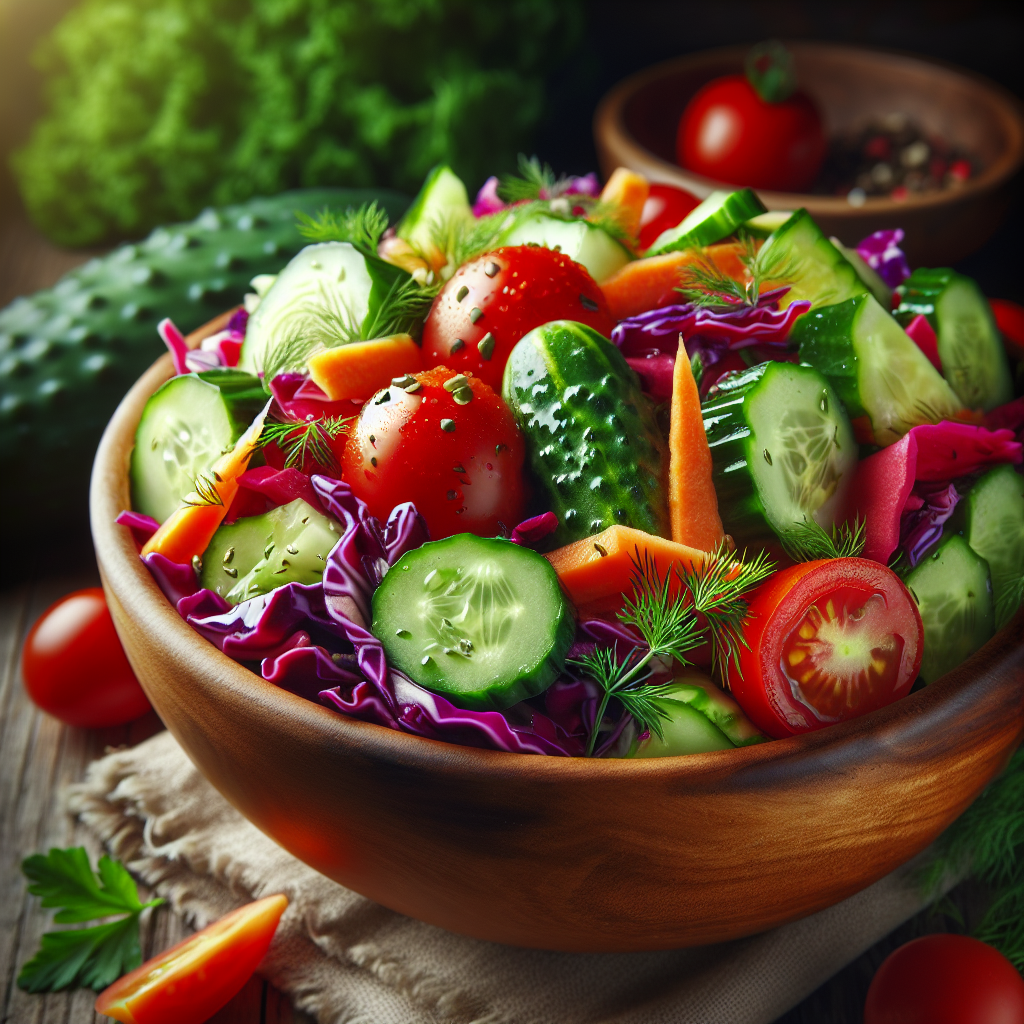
x: 635, y: 127
x: 549, y: 852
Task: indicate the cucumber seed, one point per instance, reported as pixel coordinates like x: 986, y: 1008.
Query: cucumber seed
x: 767, y: 456
x: 228, y: 555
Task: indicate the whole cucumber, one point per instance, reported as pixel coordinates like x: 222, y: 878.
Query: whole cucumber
x: 68, y: 353
x: 593, y: 441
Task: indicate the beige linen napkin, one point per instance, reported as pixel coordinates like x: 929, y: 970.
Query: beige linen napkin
x: 346, y: 960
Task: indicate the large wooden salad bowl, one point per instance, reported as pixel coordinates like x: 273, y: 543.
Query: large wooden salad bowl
x: 549, y: 852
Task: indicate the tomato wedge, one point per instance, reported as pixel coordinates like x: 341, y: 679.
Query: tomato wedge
x: 828, y: 641
x: 191, y: 981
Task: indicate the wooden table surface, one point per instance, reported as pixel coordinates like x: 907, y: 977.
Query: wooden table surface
x: 39, y: 756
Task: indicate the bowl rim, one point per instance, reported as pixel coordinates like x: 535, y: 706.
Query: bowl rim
x: 609, y: 120
x: 128, y: 582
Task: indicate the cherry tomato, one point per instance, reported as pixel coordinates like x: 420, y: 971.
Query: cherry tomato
x: 449, y: 444
x: 1009, y: 319
x: 492, y: 301
x: 945, y: 979
x: 191, y: 981
x: 666, y: 206
x: 828, y: 641
x: 727, y: 132
x: 75, y: 668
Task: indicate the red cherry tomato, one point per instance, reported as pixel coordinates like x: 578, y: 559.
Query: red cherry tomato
x: 828, y: 641
x: 456, y: 454
x: 492, y: 301
x: 945, y: 979
x: 75, y: 668
x: 666, y: 207
x: 191, y: 981
x: 727, y: 132
x: 1009, y: 319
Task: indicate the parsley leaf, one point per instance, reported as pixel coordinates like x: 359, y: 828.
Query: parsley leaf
x: 89, y: 957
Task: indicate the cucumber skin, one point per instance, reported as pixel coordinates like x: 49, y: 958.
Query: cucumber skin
x: 919, y: 296
x: 605, y: 466
x: 69, y: 353
x: 725, y: 425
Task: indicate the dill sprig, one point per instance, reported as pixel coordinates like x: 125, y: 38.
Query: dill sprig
x: 461, y: 239
x: 718, y: 589
x: 988, y: 841
x: 300, y: 442
x: 535, y: 181
x: 704, y: 283
x: 204, y: 492
x: 665, y: 612
x: 808, y: 541
x: 362, y: 227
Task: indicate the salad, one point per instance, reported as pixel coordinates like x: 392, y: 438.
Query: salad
x: 589, y: 471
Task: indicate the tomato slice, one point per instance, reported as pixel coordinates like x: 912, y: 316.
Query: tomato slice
x: 191, y: 981
x: 828, y: 641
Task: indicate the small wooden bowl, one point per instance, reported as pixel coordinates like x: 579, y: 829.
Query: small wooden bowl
x: 635, y: 127
x: 549, y: 852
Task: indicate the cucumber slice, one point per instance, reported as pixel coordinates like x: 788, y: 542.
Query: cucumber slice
x: 717, y: 217
x: 883, y: 378
x: 995, y: 531
x: 970, y: 348
x: 782, y: 449
x: 580, y: 240
x: 328, y: 294
x: 685, y: 735
x: 871, y: 278
x: 764, y: 224
x: 953, y: 593
x: 686, y: 731
x: 257, y: 554
x: 482, y: 621
x: 187, y: 424
x: 442, y: 199
x: 799, y: 255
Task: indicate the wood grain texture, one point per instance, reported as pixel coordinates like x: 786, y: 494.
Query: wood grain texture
x: 635, y: 127
x: 567, y: 854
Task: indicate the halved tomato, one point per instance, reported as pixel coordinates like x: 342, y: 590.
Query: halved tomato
x: 191, y: 981
x: 828, y: 640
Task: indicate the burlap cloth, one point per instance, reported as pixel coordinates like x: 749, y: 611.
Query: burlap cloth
x: 345, y: 960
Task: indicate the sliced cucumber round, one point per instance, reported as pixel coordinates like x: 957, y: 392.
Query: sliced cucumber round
x: 257, y: 554
x: 783, y: 451
x: 185, y: 427
x: 585, y: 243
x: 995, y: 530
x: 482, y: 621
x: 716, y: 218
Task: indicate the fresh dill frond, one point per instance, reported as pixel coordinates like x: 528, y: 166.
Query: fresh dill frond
x: 718, y: 588
x: 402, y: 310
x: 900, y: 564
x: 535, y: 181
x: 647, y: 705
x: 204, y: 492
x: 310, y: 441
x: 290, y: 353
x: 704, y: 283
x: 808, y: 541
x: 461, y: 239
x: 362, y: 227
x: 667, y: 624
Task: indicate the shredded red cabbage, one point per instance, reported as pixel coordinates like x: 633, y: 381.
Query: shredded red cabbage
x: 298, y: 399
x: 141, y: 527
x: 882, y: 253
x: 262, y: 488
x: 925, y: 513
x: 530, y: 532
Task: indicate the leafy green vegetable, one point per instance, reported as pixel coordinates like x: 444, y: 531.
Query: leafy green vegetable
x: 90, y: 957
x: 988, y: 839
x: 159, y: 107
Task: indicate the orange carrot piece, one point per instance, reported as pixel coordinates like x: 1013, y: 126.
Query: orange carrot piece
x: 187, y: 532
x: 627, y: 192
x: 692, y: 501
x: 598, y: 571
x: 651, y: 282
x: 361, y: 369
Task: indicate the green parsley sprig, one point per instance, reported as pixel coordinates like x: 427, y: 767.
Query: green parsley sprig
x: 670, y: 625
x: 87, y: 957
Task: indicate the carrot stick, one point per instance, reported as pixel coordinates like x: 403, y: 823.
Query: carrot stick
x: 187, y: 532
x: 692, y: 501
